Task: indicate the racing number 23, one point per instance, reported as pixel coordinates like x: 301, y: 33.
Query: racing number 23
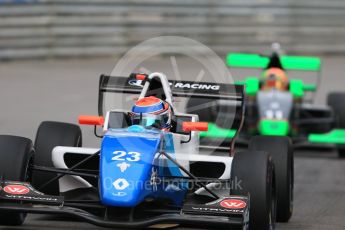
x: 122, y: 155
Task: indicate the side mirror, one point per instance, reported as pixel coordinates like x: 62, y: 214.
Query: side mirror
x: 189, y: 126
x: 90, y: 120
x: 141, y: 77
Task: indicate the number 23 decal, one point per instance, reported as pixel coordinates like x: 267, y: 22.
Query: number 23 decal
x: 122, y: 156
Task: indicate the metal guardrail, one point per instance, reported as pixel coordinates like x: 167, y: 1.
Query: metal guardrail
x: 57, y: 28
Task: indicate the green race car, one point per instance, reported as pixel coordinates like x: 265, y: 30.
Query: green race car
x: 277, y: 105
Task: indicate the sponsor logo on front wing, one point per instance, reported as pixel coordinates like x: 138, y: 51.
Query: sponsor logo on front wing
x: 225, y: 206
x: 31, y: 198
x: 233, y: 204
x: 220, y: 210
x: 16, y: 189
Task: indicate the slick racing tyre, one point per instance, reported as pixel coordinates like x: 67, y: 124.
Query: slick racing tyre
x: 280, y: 148
x: 49, y: 135
x: 336, y: 102
x: 252, y: 173
x: 16, y: 154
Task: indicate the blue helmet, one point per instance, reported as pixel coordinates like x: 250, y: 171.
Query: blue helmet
x: 152, y: 112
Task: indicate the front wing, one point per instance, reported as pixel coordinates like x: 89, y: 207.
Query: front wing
x: 225, y: 212
x: 336, y: 136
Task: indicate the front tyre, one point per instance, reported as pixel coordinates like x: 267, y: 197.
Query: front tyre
x: 252, y: 173
x: 336, y: 101
x: 16, y: 154
x: 281, y: 150
x: 49, y: 135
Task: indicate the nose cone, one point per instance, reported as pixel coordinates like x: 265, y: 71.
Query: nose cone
x: 125, y: 166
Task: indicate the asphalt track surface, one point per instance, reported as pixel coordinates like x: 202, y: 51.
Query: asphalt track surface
x: 33, y: 91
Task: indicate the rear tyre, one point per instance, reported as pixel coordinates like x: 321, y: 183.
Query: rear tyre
x: 49, y: 135
x: 252, y: 172
x: 280, y: 148
x: 15, y: 156
x: 336, y: 102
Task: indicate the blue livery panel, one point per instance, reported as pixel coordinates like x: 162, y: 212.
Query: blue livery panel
x: 173, y: 189
x: 126, y: 165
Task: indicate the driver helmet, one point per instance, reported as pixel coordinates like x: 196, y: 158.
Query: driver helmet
x: 275, y: 78
x: 152, y: 112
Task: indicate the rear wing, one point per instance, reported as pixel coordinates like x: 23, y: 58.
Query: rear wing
x: 178, y: 88
x: 302, y: 63
x: 229, y: 94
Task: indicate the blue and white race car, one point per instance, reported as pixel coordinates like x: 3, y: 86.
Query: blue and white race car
x: 148, y: 170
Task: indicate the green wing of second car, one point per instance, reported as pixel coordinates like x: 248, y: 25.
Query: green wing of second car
x: 336, y: 136
x: 304, y: 63
x: 216, y: 132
